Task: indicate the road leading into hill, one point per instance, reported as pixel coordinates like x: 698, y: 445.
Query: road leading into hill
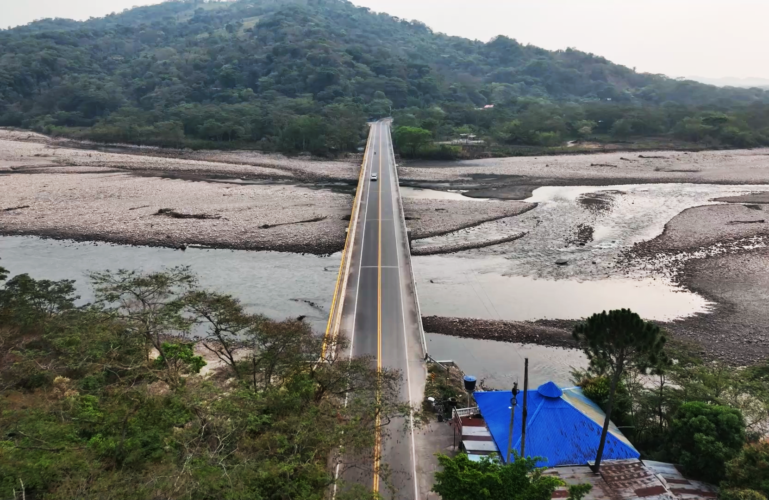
x: 380, y: 313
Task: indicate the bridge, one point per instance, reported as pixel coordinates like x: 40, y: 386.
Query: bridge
x: 375, y: 305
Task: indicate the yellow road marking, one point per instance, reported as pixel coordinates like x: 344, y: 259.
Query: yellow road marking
x: 378, y: 441
x: 348, y: 242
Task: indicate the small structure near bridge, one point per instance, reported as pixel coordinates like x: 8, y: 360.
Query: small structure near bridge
x: 563, y: 429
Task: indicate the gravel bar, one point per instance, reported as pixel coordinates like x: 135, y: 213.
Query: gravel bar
x: 507, y: 331
x: 428, y: 218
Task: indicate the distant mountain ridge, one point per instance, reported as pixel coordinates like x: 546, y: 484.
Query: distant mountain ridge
x: 289, y: 74
x: 762, y: 83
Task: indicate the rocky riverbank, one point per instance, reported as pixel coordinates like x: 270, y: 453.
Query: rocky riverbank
x: 719, y: 252
x: 122, y: 208
x: 175, y: 198
x: 428, y: 217
x: 524, y: 332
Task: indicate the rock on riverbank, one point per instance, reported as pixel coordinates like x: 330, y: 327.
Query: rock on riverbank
x: 508, y: 331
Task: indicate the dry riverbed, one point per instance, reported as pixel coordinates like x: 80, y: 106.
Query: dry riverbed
x: 713, y: 245
x: 149, y: 196
x: 175, y: 198
x: 516, y: 178
x: 721, y: 252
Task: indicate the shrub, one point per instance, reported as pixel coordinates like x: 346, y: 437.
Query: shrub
x: 704, y: 437
x: 750, y: 469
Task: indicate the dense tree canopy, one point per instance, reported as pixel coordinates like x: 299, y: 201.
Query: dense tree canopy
x: 703, y: 438
x: 107, y: 400
x: 750, y: 469
x: 305, y: 74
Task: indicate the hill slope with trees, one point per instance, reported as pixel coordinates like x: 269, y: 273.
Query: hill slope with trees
x: 304, y: 75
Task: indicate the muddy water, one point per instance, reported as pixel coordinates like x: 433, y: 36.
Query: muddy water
x: 499, y: 364
x: 276, y: 284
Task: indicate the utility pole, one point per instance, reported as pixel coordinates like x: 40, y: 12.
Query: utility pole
x: 513, y: 402
x: 525, y: 407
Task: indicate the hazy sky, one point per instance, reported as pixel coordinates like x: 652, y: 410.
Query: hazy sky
x: 709, y: 38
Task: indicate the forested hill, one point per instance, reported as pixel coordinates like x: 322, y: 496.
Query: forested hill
x: 305, y: 74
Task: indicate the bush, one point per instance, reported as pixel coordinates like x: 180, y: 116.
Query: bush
x: 442, y: 152
x: 464, y: 479
x: 704, y: 437
x: 735, y: 494
x: 750, y: 469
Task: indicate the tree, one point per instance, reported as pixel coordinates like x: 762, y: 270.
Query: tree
x: 152, y: 308
x: 612, y: 342
x: 704, y: 437
x: 31, y: 301
x: 226, y: 325
x: 489, y: 479
x: 91, y: 419
x: 749, y: 469
x: 411, y: 139
x: 737, y: 494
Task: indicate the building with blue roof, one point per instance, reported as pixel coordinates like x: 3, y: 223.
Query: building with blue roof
x: 563, y: 426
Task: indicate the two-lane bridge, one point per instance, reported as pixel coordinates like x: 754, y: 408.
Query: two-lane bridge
x: 376, y: 305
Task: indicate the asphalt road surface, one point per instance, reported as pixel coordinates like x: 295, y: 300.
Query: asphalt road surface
x: 380, y: 315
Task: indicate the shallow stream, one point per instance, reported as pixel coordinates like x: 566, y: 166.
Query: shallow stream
x: 566, y: 265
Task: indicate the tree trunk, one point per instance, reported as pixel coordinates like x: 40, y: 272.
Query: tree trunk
x: 659, y: 404
x: 607, y: 420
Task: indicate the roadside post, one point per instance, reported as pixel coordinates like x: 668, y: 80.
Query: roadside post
x: 513, y: 402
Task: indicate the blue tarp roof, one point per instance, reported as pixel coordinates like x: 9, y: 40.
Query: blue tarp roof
x: 562, y: 429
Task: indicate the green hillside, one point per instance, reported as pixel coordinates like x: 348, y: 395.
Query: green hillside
x: 296, y: 75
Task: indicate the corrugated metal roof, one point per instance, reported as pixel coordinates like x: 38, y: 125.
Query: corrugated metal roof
x: 632, y: 479
x: 561, y: 431
x: 685, y: 489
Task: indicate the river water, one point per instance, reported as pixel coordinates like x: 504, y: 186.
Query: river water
x: 279, y: 285
x: 276, y: 284
x: 516, y: 281
x: 586, y: 228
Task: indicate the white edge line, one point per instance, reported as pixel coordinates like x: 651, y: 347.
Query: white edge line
x: 413, y: 277
x: 351, y: 241
x: 357, y: 292
x: 406, y: 345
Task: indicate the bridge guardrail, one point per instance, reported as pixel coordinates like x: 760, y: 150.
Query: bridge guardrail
x: 337, y: 302
x: 408, y: 254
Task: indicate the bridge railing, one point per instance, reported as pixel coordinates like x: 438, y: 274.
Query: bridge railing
x: 337, y: 302
x: 408, y: 253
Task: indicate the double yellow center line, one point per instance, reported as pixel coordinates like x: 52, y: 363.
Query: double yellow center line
x: 378, y: 441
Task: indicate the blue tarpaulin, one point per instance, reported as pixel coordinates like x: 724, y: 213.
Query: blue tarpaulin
x: 563, y: 427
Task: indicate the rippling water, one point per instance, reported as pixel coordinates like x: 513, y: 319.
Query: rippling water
x: 477, y: 288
